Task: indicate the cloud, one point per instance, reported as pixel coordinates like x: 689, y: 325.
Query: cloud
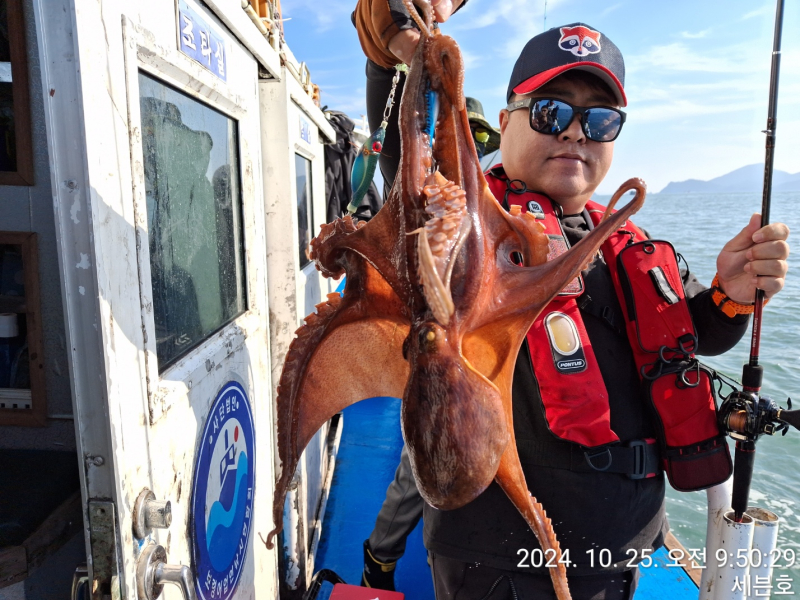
x: 517, y: 20
x: 695, y: 36
x: 678, y: 57
x: 767, y: 8
x: 477, y: 14
x: 678, y: 110
x: 332, y: 15
x: 711, y: 88
x: 471, y: 59
x: 611, y: 9
x: 676, y: 81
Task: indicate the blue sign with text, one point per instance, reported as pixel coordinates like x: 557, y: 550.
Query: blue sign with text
x: 223, y: 494
x: 305, y: 130
x: 199, y: 42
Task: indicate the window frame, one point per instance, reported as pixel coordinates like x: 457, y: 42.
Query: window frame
x: 169, y: 66
x: 312, y: 222
x: 21, y: 94
x: 239, y: 221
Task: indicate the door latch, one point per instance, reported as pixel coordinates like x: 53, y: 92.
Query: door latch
x: 152, y: 572
x: 149, y: 514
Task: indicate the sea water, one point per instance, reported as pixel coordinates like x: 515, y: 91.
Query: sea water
x: 699, y: 225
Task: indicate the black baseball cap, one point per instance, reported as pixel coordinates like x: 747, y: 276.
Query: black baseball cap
x: 574, y: 46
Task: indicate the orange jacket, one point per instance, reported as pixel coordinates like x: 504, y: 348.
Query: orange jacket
x: 377, y: 22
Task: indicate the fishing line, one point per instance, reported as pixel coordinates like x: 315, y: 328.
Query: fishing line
x: 544, y: 25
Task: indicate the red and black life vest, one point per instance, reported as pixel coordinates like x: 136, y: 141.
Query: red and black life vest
x: 662, y: 337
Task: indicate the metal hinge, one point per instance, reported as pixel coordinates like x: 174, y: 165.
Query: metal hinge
x: 103, y: 541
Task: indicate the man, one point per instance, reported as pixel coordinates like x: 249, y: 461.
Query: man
x: 485, y: 137
x: 600, y: 501
x: 560, y: 152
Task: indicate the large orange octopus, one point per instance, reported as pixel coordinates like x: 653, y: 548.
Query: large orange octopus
x: 433, y: 299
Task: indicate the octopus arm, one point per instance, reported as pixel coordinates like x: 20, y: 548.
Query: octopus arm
x: 511, y: 480
x: 349, y: 350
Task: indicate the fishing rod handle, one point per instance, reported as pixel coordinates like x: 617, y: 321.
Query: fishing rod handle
x: 745, y: 458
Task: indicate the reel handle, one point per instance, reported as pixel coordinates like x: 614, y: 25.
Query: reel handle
x: 792, y: 417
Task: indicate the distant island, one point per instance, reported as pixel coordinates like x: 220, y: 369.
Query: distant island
x: 746, y: 179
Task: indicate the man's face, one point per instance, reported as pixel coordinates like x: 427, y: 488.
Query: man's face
x: 568, y: 167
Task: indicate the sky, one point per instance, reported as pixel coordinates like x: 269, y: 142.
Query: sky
x: 697, y: 73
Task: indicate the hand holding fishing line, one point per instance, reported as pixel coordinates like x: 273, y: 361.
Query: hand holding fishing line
x: 443, y: 9
x: 403, y: 44
x: 754, y: 258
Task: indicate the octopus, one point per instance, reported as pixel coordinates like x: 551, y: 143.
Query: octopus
x: 435, y: 307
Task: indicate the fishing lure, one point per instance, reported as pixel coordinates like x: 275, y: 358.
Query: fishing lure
x: 364, y: 165
x: 431, y: 112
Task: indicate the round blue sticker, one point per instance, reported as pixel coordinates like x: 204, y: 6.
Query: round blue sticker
x: 222, y: 497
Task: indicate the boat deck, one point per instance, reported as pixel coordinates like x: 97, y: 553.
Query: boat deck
x: 369, y: 452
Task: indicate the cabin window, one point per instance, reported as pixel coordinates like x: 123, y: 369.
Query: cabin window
x: 16, y: 157
x: 22, y: 395
x: 194, y: 218
x: 305, y: 205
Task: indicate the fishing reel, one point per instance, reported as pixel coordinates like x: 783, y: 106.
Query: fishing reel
x: 747, y: 416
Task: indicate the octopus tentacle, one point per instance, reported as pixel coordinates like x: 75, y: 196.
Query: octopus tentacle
x: 512, y: 481
x: 381, y: 245
x: 350, y: 334
x: 307, y: 338
x: 332, y: 236
x: 425, y: 26
x: 534, y: 243
x: 527, y: 290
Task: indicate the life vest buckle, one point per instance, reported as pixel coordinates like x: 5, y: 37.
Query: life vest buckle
x: 640, y: 462
x: 637, y: 459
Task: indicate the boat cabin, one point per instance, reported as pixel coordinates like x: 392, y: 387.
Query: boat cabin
x: 161, y: 174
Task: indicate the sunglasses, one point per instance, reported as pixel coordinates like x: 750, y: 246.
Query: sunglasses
x: 551, y: 117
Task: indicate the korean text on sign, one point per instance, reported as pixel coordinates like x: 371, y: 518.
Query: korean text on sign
x: 199, y: 42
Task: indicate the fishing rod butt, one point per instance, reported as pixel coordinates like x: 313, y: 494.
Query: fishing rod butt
x: 742, y: 477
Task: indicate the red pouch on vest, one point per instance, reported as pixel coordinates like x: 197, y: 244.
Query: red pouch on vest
x: 694, y: 452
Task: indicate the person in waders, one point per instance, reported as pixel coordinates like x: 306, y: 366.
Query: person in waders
x: 609, y: 400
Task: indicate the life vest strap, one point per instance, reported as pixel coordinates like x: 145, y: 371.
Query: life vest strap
x: 604, y: 313
x: 638, y: 459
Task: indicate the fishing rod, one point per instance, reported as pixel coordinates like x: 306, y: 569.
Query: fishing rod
x: 745, y: 414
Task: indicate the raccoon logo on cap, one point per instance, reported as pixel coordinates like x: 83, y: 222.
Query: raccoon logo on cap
x: 581, y: 41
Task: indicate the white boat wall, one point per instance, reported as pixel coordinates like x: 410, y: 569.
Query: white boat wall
x: 178, y: 158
